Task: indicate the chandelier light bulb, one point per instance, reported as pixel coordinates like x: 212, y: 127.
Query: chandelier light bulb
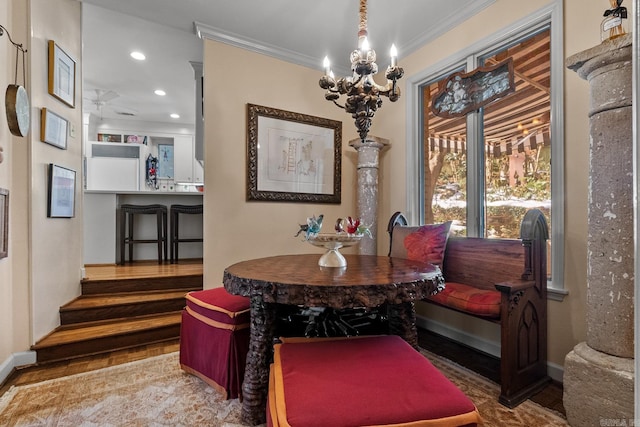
x: 327, y: 66
x: 365, y: 45
x: 393, y: 52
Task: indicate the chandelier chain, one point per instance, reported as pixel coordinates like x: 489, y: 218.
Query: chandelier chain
x: 362, y: 24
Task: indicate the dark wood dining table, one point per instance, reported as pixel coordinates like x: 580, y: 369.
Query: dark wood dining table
x: 366, y: 281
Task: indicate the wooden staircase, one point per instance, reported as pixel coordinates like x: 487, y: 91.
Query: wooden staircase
x: 114, y: 313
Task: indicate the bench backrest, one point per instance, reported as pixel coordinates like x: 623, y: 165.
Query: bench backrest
x: 482, y: 262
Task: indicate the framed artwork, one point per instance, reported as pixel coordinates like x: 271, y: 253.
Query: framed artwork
x: 53, y: 129
x: 62, y: 192
x: 4, y: 223
x: 292, y: 157
x: 165, y: 161
x: 62, y: 75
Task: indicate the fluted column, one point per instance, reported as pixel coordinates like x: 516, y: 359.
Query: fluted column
x: 598, y: 377
x: 367, y: 191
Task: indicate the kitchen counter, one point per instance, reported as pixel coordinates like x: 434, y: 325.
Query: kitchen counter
x: 100, y: 228
x: 147, y: 193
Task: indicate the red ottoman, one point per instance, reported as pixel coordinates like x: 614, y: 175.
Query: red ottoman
x: 214, y: 339
x: 367, y: 381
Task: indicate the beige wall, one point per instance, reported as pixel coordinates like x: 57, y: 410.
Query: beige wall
x: 42, y: 271
x: 581, y: 31
x: 16, y: 27
x: 56, y: 250
x: 234, y: 228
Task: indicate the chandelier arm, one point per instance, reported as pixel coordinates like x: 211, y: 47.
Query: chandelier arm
x: 341, y: 106
x: 384, y: 89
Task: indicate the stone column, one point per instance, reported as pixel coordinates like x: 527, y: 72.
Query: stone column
x: 598, y: 374
x: 367, y: 193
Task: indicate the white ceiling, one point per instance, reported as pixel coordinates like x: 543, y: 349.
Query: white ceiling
x: 300, y: 31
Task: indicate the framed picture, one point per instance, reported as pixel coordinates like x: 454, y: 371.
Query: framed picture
x: 62, y: 192
x: 4, y: 223
x: 293, y: 157
x: 165, y: 161
x: 62, y: 75
x: 53, y: 129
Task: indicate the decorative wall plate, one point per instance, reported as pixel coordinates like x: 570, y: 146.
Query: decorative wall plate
x: 16, y: 104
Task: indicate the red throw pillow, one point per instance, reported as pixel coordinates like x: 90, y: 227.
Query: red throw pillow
x: 428, y: 242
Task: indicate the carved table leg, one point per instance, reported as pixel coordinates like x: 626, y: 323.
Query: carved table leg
x: 402, y: 322
x: 256, y: 376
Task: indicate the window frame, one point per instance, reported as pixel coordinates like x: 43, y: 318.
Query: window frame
x: 549, y: 16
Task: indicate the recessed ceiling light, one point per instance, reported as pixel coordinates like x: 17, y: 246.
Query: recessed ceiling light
x: 138, y: 55
x: 175, y: 116
x: 160, y: 92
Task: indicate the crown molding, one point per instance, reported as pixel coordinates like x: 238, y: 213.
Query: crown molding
x: 209, y: 32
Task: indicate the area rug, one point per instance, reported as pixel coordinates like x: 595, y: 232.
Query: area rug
x: 156, y: 392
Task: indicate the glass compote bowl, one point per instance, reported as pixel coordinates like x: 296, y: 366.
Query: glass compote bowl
x: 333, y: 242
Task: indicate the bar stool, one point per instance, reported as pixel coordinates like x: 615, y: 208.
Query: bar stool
x: 175, y: 211
x: 127, y: 214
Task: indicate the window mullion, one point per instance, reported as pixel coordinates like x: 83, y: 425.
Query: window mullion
x: 475, y: 176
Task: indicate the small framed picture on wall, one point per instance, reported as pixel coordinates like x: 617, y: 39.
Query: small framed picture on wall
x: 62, y: 75
x: 62, y: 192
x: 53, y: 129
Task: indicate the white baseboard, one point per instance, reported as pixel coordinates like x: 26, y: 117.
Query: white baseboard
x: 492, y: 348
x: 16, y: 359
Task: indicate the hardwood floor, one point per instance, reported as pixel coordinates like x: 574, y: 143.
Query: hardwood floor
x: 485, y: 365
x: 143, y: 269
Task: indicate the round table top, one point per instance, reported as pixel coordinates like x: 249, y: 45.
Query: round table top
x: 367, y: 280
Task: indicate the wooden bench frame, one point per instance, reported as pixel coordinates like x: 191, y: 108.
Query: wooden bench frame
x: 517, y: 268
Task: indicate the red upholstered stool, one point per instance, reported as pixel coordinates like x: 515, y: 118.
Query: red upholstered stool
x: 367, y: 381
x: 214, y: 339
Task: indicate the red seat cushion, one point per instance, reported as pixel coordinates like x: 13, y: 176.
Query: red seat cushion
x: 219, y: 306
x: 481, y: 302
x: 366, y: 381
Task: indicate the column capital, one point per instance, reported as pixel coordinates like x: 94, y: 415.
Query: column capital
x: 370, y: 142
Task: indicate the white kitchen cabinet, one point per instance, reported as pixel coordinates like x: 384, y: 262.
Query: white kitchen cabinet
x: 198, y: 172
x: 185, y: 169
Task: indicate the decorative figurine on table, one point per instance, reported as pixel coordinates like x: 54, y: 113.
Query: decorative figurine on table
x: 355, y: 227
x: 312, y: 227
x: 332, y: 242
x: 614, y: 22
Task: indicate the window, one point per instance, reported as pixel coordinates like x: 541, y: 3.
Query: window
x: 484, y: 170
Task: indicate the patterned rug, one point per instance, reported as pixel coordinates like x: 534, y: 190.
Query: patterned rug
x: 155, y: 392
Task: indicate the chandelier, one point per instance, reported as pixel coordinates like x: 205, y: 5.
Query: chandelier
x: 362, y: 92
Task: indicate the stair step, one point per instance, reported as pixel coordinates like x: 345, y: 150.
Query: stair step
x: 88, y: 308
x: 140, y: 284
x: 78, y: 340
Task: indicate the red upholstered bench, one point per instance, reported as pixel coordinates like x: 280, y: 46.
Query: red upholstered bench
x: 503, y: 281
x: 363, y: 381
x: 214, y: 339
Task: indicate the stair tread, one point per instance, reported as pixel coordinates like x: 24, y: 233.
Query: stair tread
x: 76, y: 333
x: 108, y: 300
